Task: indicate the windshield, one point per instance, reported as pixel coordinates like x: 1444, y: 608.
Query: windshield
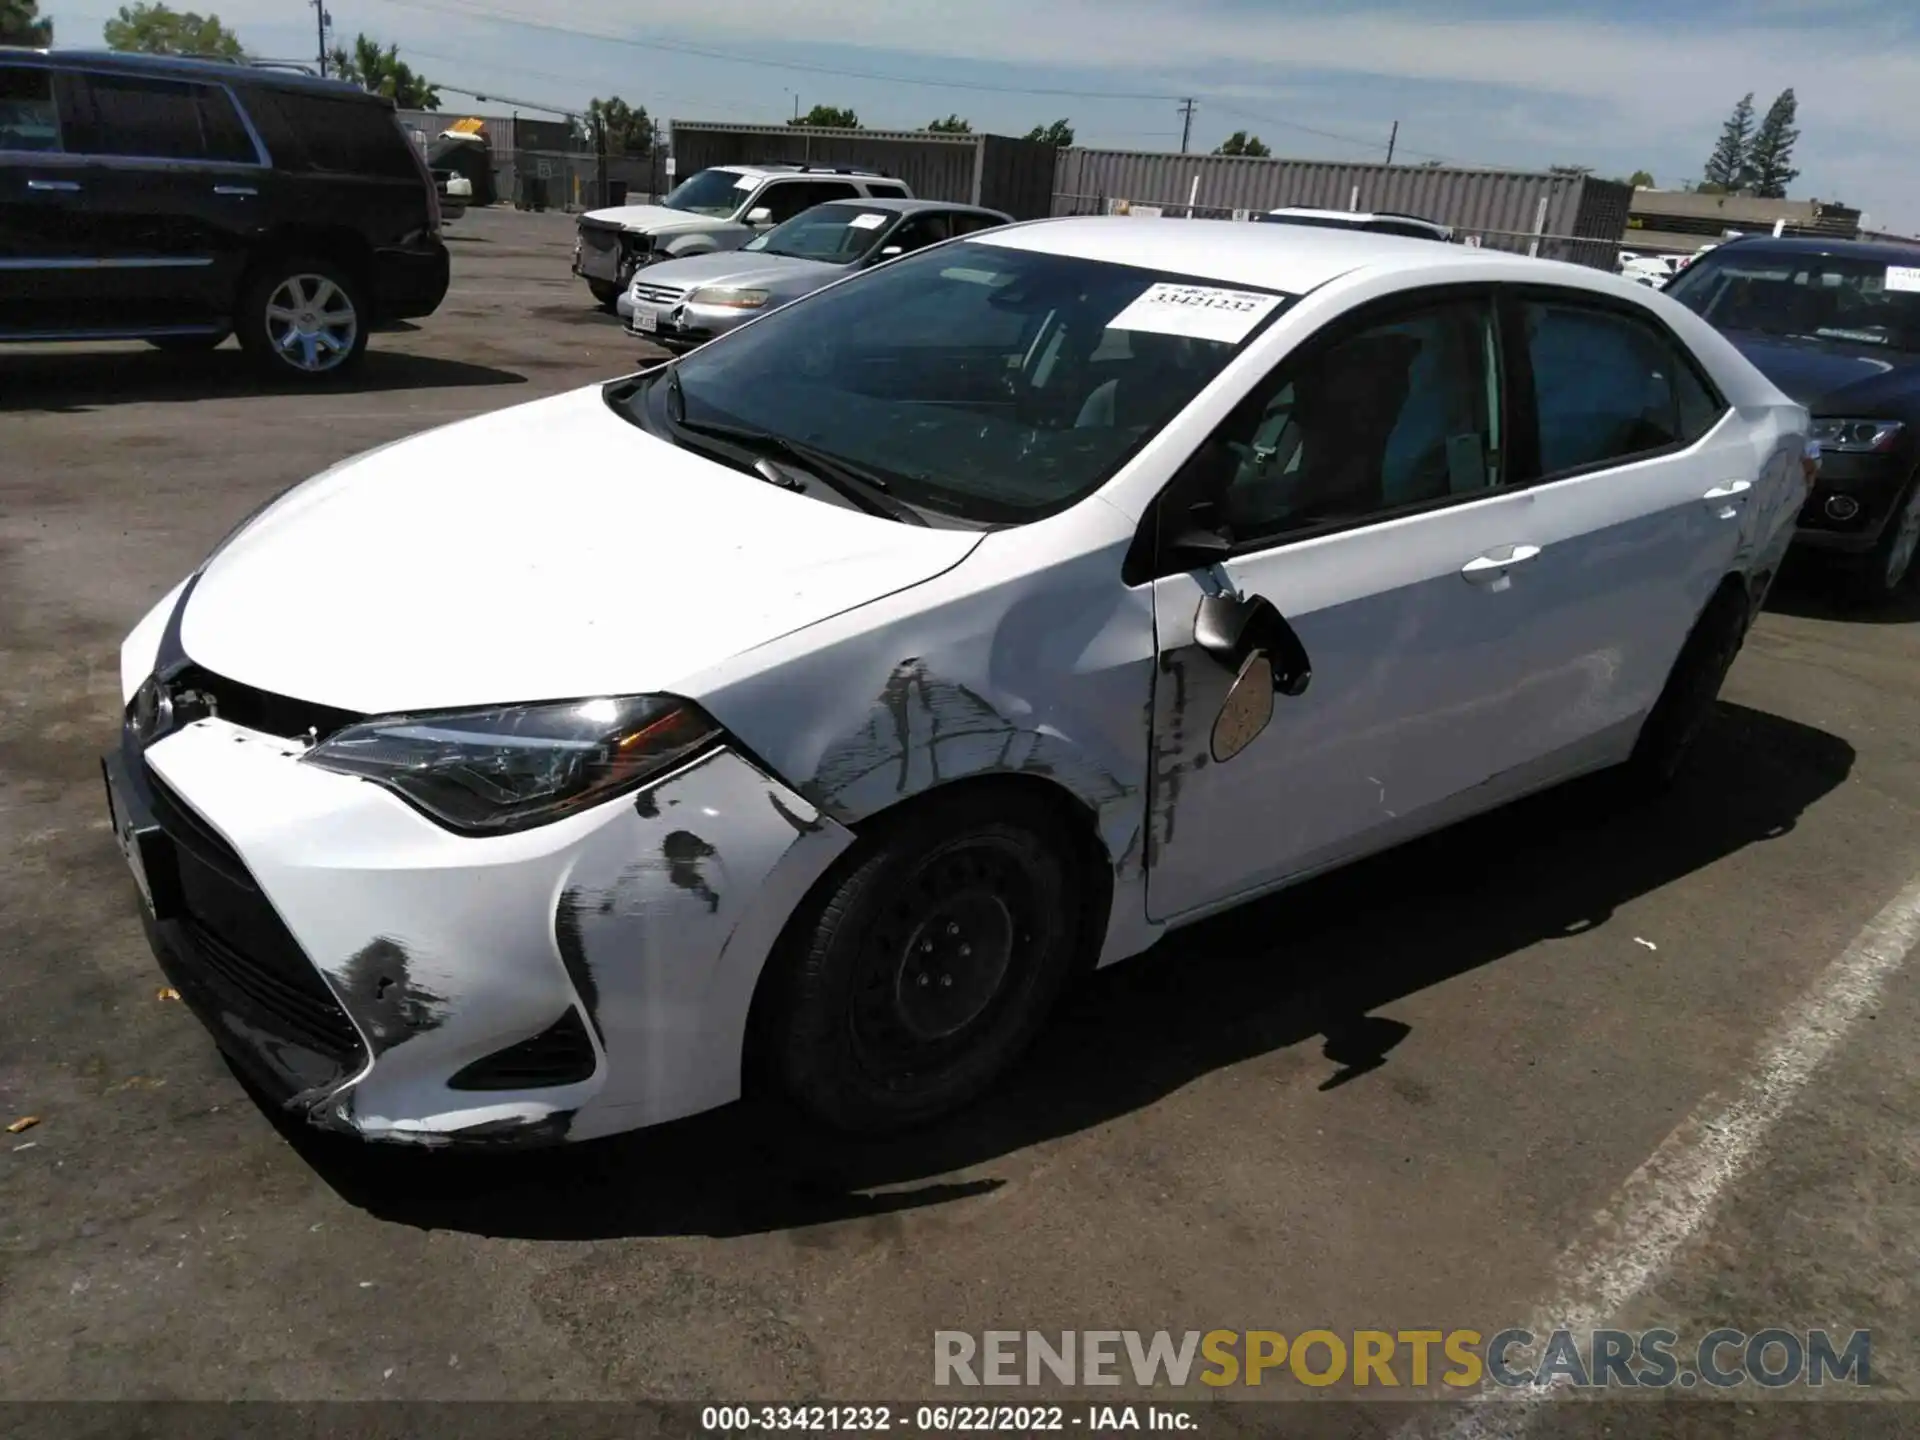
x: 711, y: 192
x: 835, y: 234
x: 986, y: 384
x: 1816, y: 297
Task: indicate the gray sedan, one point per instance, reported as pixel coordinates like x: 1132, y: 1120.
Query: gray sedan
x: 684, y: 303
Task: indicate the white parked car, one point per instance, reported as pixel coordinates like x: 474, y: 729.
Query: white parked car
x: 810, y: 710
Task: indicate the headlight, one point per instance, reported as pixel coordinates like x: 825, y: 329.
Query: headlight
x: 728, y: 298
x: 491, y: 772
x: 1856, y: 437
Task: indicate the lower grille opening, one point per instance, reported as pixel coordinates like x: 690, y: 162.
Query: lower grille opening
x: 311, y: 1017
x: 562, y: 1054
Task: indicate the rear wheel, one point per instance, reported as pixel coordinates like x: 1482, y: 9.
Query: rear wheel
x: 919, y: 971
x: 1693, y: 686
x: 304, y: 318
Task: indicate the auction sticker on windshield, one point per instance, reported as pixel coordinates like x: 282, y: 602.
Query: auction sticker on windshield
x: 1903, y: 277
x: 867, y: 222
x: 1198, y: 312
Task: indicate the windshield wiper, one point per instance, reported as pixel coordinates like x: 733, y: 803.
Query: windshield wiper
x: 866, y: 488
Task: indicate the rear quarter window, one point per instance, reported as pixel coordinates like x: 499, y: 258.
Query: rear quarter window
x: 328, y: 136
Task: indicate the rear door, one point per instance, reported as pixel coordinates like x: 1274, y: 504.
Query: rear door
x: 787, y: 198
x: 173, y: 185
x: 1644, y: 484
x: 44, y: 246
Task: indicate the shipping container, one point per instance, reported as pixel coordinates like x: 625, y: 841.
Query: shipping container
x: 1016, y: 176
x: 1572, y: 217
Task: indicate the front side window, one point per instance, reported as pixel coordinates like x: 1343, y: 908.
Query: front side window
x: 140, y: 118
x: 1608, y: 387
x: 711, y: 192
x: 988, y: 384
x: 29, y: 119
x: 1805, y: 296
x: 1401, y: 413
x: 833, y: 234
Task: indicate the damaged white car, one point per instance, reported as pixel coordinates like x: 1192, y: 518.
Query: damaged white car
x: 809, y: 711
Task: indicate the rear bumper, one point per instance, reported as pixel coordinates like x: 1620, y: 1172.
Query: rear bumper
x: 410, y: 282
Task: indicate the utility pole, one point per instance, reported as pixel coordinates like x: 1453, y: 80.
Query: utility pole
x: 320, y: 19
x: 1186, y: 127
x: 1391, y: 137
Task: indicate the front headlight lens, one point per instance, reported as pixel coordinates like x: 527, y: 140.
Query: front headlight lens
x: 1856, y: 436
x: 495, y: 771
x: 729, y: 298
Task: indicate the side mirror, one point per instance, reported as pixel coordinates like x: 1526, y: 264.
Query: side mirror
x: 888, y: 252
x: 1236, y: 630
x: 760, y: 216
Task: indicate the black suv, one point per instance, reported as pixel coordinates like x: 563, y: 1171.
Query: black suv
x: 181, y: 201
x: 1836, y: 325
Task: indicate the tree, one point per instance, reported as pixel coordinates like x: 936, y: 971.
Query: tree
x: 952, y: 125
x: 1727, y: 166
x: 1059, y: 134
x: 1768, y: 171
x: 1640, y: 180
x: 156, y: 30
x: 827, y: 117
x: 384, y: 73
x: 21, y: 24
x: 1241, y: 143
x: 626, y: 130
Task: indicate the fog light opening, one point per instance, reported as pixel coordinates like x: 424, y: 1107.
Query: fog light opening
x: 1842, y: 507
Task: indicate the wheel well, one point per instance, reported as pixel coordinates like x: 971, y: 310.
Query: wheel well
x: 1092, y: 869
x: 345, y: 247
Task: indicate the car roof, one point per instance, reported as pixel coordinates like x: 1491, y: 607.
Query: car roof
x: 1885, y: 252
x: 1292, y: 259
x: 1353, y: 217
x: 763, y: 171
x: 186, y: 68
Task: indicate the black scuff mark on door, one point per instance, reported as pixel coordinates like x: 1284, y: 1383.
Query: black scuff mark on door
x: 685, y: 852
x: 379, y: 989
x: 573, y: 952
x: 647, y: 805
x: 801, y: 827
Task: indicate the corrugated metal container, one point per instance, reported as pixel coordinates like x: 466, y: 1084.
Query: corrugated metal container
x: 1505, y: 209
x: 1016, y: 176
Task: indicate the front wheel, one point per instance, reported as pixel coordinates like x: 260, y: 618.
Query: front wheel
x: 1693, y: 686
x: 303, y: 318
x: 920, y: 970
x: 606, y: 294
x: 1888, y: 567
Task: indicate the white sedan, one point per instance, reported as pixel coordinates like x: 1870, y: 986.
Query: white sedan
x: 807, y: 712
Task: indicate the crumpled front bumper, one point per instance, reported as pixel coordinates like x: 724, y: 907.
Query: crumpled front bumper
x: 398, y: 982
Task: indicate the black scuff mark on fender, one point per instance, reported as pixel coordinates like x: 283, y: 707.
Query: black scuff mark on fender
x: 573, y: 953
x: 801, y: 827
x: 513, y: 1133
x: 647, y: 805
x: 684, y: 851
x: 382, y: 995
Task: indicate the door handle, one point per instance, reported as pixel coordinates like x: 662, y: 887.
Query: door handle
x: 65, y: 186
x: 1725, y: 500
x: 1491, y: 569
x: 246, y: 190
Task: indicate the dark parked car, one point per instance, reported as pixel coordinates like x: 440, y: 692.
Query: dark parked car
x: 181, y: 201
x: 1835, y: 324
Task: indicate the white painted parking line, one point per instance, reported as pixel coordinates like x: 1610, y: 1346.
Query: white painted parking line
x: 1631, y: 1241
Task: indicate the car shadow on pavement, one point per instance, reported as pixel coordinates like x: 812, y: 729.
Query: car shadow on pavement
x: 72, y: 382
x: 1813, y: 592
x: 1310, y: 965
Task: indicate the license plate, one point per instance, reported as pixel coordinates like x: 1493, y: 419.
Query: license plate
x: 646, y: 319
x: 143, y: 850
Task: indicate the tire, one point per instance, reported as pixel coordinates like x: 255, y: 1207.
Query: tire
x: 605, y: 293
x: 1693, y: 685
x: 1888, y: 568
x: 304, y: 318
x: 188, y: 344
x: 921, y: 967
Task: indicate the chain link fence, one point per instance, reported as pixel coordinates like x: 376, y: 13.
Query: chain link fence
x: 1575, y: 249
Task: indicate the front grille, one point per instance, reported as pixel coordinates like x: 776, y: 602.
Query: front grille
x: 308, y: 1015
x: 254, y: 709
x: 562, y: 1054
x: 599, y: 237
x: 657, y: 294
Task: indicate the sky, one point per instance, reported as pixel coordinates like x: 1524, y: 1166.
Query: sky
x: 1617, y: 85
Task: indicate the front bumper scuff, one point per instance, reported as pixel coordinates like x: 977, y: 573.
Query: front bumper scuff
x: 652, y: 916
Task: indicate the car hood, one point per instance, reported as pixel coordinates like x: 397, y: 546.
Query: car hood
x: 1829, y: 377
x: 737, y: 267
x: 548, y: 551
x: 658, y: 220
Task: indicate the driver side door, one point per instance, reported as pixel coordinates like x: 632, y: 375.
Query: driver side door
x: 1364, y: 485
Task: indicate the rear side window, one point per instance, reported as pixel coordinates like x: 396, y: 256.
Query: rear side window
x: 29, y: 120
x: 329, y: 136
x: 1609, y: 388
x: 141, y: 118
x: 881, y: 189
x: 787, y: 198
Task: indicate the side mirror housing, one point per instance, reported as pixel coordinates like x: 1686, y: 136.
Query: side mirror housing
x: 890, y: 251
x: 760, y: 216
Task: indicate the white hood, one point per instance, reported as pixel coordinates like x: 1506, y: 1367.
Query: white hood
x: 659, y: 220
x: 545, y: 552
x: 743, y: 267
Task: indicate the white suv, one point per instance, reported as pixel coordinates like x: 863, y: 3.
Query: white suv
x: 721, y: 208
